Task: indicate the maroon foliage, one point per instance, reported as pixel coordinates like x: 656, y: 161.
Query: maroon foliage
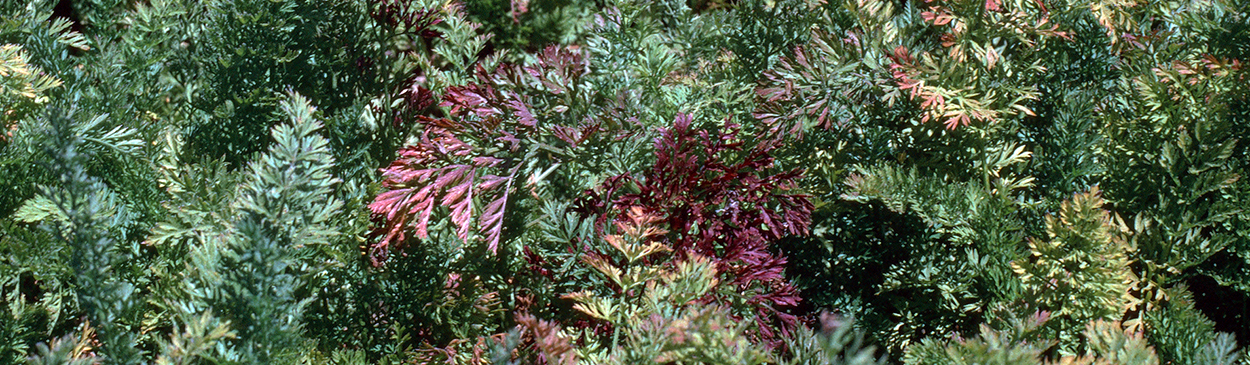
x: 402, y: 15
x: 729, y: 211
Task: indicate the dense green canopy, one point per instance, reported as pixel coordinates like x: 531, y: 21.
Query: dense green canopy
x: 624, y: 182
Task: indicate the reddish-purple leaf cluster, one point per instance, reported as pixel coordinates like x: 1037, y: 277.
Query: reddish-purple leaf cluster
x: 729, y: 211
x: 507, y: 94
x: 402, y: 15
x: 439, y: 169
x: 473, y: 154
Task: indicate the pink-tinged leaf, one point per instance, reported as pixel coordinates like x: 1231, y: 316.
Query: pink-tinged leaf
x: 519, y: 7
x: 681, y: 123
x: 492, y: 215
x: 460, y: 189
x: 565, y: 65
x: 940, y: 17
x: 566, y: 134
x: 419, y: 203
x: 490, y: 182
x: 399, y: 176
x: 486, y: 161
x: 823, y: 119
x: 386, y: 202
x: 993, y: 5
x: 956, y: 121
x: 423, y: 209
x: 852, y: 38
x: 462, y: 215
x: 534, y: 72
x: 492, y: 221
x: 800, y: 57
x: 902, y: 56
x: 511, y: 139
x: 467, y: 98
x: 523, y: 114
x: 451, y: 176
